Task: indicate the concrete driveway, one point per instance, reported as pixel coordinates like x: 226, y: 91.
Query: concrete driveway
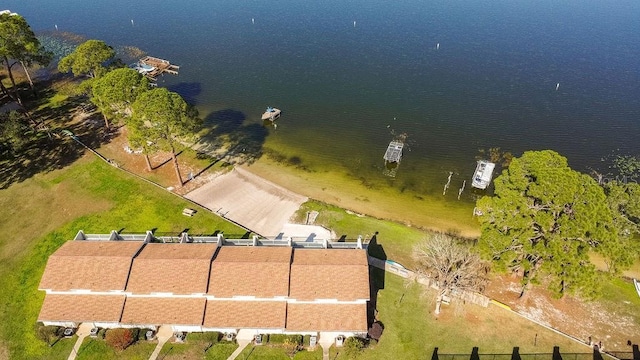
x: 250, y: 200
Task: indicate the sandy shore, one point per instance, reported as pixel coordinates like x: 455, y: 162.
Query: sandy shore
x: 334, y: 189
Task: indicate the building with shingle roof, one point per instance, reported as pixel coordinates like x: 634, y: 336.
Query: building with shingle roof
x: 178, y: 269
x: 201, y: 284
x: 90, y: 266
x: 256, y: 271
x: 331, y: 274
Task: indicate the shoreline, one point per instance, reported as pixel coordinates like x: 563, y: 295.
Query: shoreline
x: 336, y: 189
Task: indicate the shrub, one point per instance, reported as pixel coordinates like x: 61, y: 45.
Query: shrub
x: 353, y: 346
x: 281, y: 339
x: 291, y: 347
x: 101, y: 333
x: 306, y: 340
x: 375, y: 331
x: 49, y: 334
x: 119, y: 339
x: 142, y: 334
x: 135, y: 334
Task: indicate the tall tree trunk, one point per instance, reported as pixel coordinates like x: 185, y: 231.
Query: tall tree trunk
x: 33, y: 88
x: 146, y: 158
x: 175, y: 165
x: 439, y: 302
x: 6, y: 92
x: 13, y: 81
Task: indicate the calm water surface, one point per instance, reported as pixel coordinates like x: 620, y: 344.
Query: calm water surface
x: 346, y: 88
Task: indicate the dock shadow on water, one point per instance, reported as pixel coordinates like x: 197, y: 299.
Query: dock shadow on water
x: 242, y: 143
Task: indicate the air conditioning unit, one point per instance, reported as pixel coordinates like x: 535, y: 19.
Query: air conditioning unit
x: 94, y: 332
x: 339, y: 340
x: 258, y: 339
x: 229, y: 336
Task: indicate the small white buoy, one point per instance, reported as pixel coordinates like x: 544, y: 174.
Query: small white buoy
x: 438, y: 46
x: 557, y: 86
x: 56, y: 26
x: 354, y: 23
x: 131, y: 22
x: 253, y: 21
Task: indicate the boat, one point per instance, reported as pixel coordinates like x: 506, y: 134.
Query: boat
x: 271, y: 114
x: 482, y: 176
x: 142, y: 68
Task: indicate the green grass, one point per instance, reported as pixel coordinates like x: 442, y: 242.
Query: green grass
x: 123, y: 203
x: 396, y: 240
x: 97, y: 349
x: 275, y: 352
x: 412, y: 332
x: 197, y: 348
x: 619, y: 296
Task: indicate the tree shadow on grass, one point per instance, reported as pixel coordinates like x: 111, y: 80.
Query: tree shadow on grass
x: 51, y: 149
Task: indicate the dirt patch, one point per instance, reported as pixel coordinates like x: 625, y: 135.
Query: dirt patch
x: 570, y: 315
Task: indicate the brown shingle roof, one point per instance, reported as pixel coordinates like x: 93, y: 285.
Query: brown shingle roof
x: 330, y: 257
x: 250, y: 271
x: 341, y: 274
x: 80, y: 308
x: 326, y: 317
x: 171, y: 268
x: 158, y: 310
x: 245, y: 314
x: 94, y: 265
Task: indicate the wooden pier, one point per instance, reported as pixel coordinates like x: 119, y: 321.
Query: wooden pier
x: 394, y: 152
x: 157, y: 67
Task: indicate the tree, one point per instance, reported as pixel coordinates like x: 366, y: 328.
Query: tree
x: 49, y: 334
x: 119, y: 339
x: 545, y: 217
x: 160, y: 118
x: 453, y: 266
x: 115, y: 92
x: 14, y: 134
x: 353, y: 347
x: 87, y: 59
x: 623, y: 200
x: 19, y: 43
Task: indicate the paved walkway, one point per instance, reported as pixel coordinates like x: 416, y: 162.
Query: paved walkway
x: 325, y: 342
x: 242, y: 343
x: 83, y: 331
x: 165, y: 333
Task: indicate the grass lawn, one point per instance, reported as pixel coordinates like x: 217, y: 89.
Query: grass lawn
x: 396, y: 240
x: 48, y: 209
x: 197, y: 347
x: 412, y: 332
x: 97, y: 349
x: 275, y: 352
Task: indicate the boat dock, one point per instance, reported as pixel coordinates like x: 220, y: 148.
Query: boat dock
x: 271, y: 114
x: 394, y: 152
x: 483, y: 174
x: 153, y: 67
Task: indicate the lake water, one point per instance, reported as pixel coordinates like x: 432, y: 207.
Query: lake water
x: 348, y: 75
